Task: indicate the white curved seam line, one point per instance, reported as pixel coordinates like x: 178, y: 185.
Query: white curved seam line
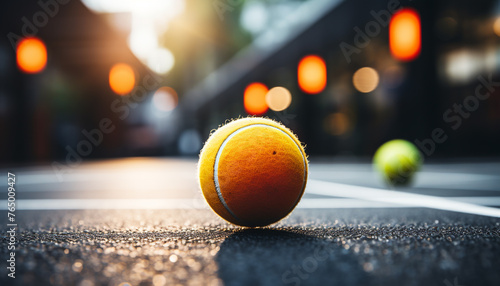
x: 304, y: 178
x: 219, y: 153
x: 216, y: 169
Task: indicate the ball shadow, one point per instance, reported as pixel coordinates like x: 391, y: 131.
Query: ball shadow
x: 285, y: 257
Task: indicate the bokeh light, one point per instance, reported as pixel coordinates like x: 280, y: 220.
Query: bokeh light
x: 311, y: 74
x: 365, y: 79
x: 496, y: 26
x: 404, y: 34
x: 462, y: 65
x: 161, y: 60
x: 337, y: 123
x: 278, y: 98
x: 121, y: 78
x: 165, y: 99
x: 31, y: 55
x: 254, y: 98
x: 254, y: 17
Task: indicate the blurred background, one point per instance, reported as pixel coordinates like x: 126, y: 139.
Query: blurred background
x: 107, y: 78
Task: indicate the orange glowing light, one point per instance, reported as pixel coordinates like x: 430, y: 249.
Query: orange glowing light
x: 121, y: 78
x: 405, y: 35
x: 496, y: 26
x: 311, y: 74
x: 31, y: 55
x: 365, y: 79
x: 254, y: 98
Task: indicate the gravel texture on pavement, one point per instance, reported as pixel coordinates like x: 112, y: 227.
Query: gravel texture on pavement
x: 311, y: 247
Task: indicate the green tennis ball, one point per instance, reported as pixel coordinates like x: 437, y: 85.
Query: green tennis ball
x: 397, y: 161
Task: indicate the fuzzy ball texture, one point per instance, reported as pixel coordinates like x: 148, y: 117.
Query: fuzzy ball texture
x: 253, y: 171
x: 397, y: 161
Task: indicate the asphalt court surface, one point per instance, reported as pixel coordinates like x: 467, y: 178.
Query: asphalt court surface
x: 143, y: 221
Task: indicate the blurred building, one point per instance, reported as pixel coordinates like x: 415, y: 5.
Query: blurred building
x: 188, y: 67
x: 371, y: 95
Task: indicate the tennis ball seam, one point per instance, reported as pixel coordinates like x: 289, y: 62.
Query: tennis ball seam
x: 207, y: 154
x: 221, y: 148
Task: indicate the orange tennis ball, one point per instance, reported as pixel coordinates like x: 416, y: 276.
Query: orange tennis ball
x: 253, y: 171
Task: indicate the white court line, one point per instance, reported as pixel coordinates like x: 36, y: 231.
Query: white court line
x: 441, y: 178
x: 159, y: 204
x: 37, y: 179
x: 395, y: 197
x: 435, y: 176
x: 336, y: 203
x: 101, y: 204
